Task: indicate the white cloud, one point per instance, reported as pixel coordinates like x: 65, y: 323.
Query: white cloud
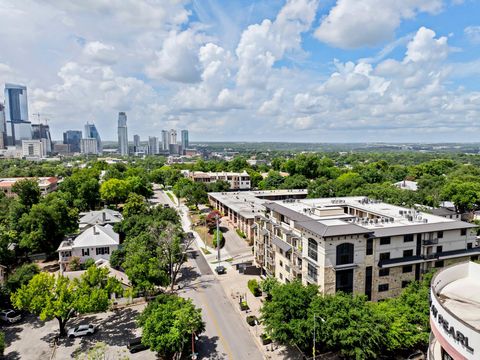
x: 97, y: 51
x: 473, y: 34
x: 424, y: 47
x: 353, y: 23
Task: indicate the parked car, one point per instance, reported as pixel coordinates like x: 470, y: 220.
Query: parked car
x: 190, y: 235
x: 135, y: 345
x: 220, y: 270
x: 81, y: 330
x: 10, y: 316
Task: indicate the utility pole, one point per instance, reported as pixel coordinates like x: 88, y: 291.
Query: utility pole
x: 218, y: 242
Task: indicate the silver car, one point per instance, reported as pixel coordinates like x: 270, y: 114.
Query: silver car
x: 81, y: 330
x: 10, y: 316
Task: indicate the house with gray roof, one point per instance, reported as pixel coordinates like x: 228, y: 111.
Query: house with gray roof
x: 99, y: 217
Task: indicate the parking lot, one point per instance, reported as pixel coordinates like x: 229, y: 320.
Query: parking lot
x: 34, y: 339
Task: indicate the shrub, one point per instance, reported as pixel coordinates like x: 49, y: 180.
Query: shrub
x: 244, y: 305
x: 21, y: 276
x: 220, y: 236
x: 254, y: 287
x: 74, y: 264
x: 252, y: 320
x: 241, y: 233
x: 265, y: 339
x: 2, y: 343
x: 88, y: 263
x: 267, y: 286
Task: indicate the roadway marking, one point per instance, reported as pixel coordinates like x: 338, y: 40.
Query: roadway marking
x: 216, y: 325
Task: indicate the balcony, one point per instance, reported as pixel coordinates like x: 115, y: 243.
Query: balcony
x: 430, y: 256
x: 430, y: 242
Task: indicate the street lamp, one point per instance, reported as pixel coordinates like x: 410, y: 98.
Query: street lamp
x: 218, y: 241
x: 314, y: 332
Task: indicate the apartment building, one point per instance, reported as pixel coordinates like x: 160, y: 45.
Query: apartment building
x: 241, y: 207
x: 355, y: 244
x: 238, y: 181
x: 46, y: 185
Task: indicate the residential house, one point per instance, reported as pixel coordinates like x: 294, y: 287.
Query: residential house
x: 99, y: 217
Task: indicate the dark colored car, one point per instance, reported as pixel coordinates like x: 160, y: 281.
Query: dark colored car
x: 220, y: 270
x: 135, y: 345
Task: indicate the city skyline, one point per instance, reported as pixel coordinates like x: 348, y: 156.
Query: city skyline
x: 336, y: 71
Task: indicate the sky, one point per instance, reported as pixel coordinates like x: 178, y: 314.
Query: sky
x: 243, y: 70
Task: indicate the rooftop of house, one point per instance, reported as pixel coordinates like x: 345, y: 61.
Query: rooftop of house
x: 216, y: 174
x: 407, y: 185
x: 42, y: 181
x: 360, y: 215
x: 94, y: 236
x: 104, y: 216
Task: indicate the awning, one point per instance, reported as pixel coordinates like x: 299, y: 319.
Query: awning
x: 281, y: 244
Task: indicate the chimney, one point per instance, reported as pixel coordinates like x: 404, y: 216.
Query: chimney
x: 95, y: 230
x: 104, y: 216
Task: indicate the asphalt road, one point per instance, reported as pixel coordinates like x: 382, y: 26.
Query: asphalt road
x: 226, y: 335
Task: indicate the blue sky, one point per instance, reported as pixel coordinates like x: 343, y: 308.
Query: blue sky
x: 298, y: 70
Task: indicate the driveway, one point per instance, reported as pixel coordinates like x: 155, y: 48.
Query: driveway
x: 34, y: 339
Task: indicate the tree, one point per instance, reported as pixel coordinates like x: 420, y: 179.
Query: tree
x: 168, y: 323
x: 296, y: 181
x: 218, y: 186
x: 211, y: 219
x: 217, y: 238
x: 135, y: 205
x: 273, y: 181
x: 21, y: 276
x: 238, y: 164
x: 140, y: 185
x: 114, y: 191
x: 465, y: 195
x: 57, y: 297
x: 28, y: 192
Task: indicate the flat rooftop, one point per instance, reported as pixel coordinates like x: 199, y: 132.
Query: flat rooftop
x: 379, y: 217
x: 461, y: 295
x: 251, y: 203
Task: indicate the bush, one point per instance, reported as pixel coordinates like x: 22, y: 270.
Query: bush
x: 21, y: 276
x: 254, y: 287
x: 2, y: 343
x: 265, y: 339
x: 241, y: 233
x: 88, y: 263
x: 220, y: 236
x: 267, y: 286
x: 74, y: 264
x: 244, y: 305
x: 252, y: 320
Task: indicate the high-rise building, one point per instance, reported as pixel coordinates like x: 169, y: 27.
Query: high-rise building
x: 89, y: 146
x: 184, y: 143
x: 92, y: 133
x: 41, y: 131
x: 72, y: 138
x: 172, y: 139
x: 3, y: 128
x: 122, y: 134
x: 34, y: 148
x: 16, y: 114
x: 136, y: 143
x: 152, y: 145
x: 165, y: 142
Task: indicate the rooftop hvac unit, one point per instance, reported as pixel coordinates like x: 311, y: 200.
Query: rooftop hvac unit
x: 410, y: 218
x: 401, y: 212
x: 425, y: 221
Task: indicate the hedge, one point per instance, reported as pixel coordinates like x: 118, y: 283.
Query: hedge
x: 254, y: 287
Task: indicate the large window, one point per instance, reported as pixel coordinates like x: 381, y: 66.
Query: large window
x: 312, y: 272
x: 408, y: 238
x: 369, y: 247
x: 344, y: 281
x: 103, y: 250
x: 385, y: 240
x: 345, y: 253
x: 407, y: 253
x: 312, y: 249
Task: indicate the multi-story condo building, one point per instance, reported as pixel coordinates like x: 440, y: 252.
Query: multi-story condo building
x: 122, y: 134
x: 72, y: 138
x: 355, y: 244
x: 172, y: 137
x: 42, y: 132
x: 46, y: 185
x: 18, y: 126
x: 136, y: 143
x: 152, y: 145
x: 35, y: 148
x: 238, y: 181
x: 91, y: 132
x: 89, y: 146
x: 3, y: 128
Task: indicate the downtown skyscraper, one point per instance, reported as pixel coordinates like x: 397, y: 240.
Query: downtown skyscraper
x: 18, y: 127
x: 184, y: 139
x: 91, y: 132
x: 122, y: 134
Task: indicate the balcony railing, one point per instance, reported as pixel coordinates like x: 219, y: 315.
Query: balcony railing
x: 430, y: 256
x: 430, y: 242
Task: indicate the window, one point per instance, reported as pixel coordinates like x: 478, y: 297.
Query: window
x: 407, y: 253
x: 439, y: 249
x: 384, y: 272
x: 407, y: 269
x: 312, y: 272
x: 369, y: 247
x: 103, y: 250
x: 384, y: 256
x: 440, y: 234
x: 382, y: 287
x: 281, y: 276
x: 344, y: 281
x: 405, y: 283
x: 385, y: 240
x: 469, y: 245
x: 408, y: 238
x: 85, y: 252
x: 439, y: 263
x: 463, y: 232
x: 345, y: 253
x: 281, y: 263
x: 312, y: 249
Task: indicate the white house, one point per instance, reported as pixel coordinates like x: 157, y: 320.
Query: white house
x: 407, y: 185
x: 96, y: 242
x: 100, y: 217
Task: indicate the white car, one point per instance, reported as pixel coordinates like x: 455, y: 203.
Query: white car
x: 10, y: 316
x: 81, y: 330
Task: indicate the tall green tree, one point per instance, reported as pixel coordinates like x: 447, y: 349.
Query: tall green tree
x: 28, y: 192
